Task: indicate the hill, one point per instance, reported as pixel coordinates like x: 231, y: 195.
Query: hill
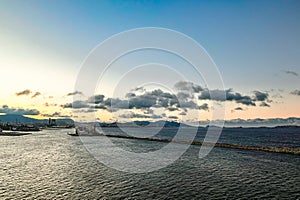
x: 11, y: 118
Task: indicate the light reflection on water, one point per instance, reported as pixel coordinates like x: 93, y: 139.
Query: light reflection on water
x: 51, y: 164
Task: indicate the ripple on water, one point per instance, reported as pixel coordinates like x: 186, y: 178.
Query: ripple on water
x: 50, y: 164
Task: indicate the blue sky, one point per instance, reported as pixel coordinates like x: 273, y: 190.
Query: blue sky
x: 253, y: 43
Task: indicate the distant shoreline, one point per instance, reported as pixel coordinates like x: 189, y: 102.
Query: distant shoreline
x: 12, y: 133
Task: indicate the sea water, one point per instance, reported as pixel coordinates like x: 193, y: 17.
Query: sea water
x: 53, y: 165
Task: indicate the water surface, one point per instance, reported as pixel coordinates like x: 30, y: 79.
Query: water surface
x: 50, y: 164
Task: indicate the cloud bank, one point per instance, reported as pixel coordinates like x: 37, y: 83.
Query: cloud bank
x: 291, y: 72
x: 18, y: 111
x: 189, y: 96
x: 24, y: 92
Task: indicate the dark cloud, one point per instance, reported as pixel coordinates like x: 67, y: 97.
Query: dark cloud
x: 184, y: 95
x: 239, y: 108
x: 47, y: 104
x: 188, y: 86
x: 18, y: 111
x: 75, y: 93
x: 139, y: 89
x: 97, y: 99
x: 100, y: 107
x: 203, y: 107
x: 187, y: 104
x: 56, y: 114
x: 154, y: 116
x: 76, y: 105
x: 134, y: 115
x: 138, y: 115
x: 161, y: 94
x: 84, y: 110
x: 143, y: 101
x: 24, y: 92
x: 36, y: 94
x: 130, y: 95
x: 264, y: 104
x: 182, y: 113
x: 148, y: 111
x: 260, y: 96
x: 121, y: 104
x: 296, y: 92
x: 164, y: 103
x: 218, y: 95
x: 172, y: 109
x: 291, y: 72
x: 172, y: 117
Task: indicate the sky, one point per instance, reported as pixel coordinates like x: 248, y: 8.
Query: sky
x: 254, y: 44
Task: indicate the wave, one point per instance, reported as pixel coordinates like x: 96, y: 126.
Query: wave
x: 287, y: 150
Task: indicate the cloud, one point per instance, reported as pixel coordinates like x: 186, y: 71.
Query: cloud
x: 134, y: 115
x: 264, y: 104
x: 36, y: 94
x: 97, y: 99
x: 291, y: 72
x: 100, y: 107
x: 172, y: 109
x: 182, y: 113
x: 239, y: 108
x: 218, y: 95
x: 188, y: 86
x: 24, y: 92
x: 56, y: 114
x: 187, y: 104
x: 188, y: 89
x: 18, y: 111
x: 148, y: 111
x: 131, y: 114
x: 260, y: 96
x: 48, y: 105
x: 203, y: 107
x: 84, y: 110
x: 119, y: 104
x: 160, y: 99
x: 296, y: 92
x: 143, y: 102
x: 154, y: 116
x: 172, y: 117
x: 184, y: 95
x: 75, y: 93
x: 76, y: 105
x: 130, y: 95
x: 139, y: 89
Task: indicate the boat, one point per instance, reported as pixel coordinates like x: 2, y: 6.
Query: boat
x: 76, y: 133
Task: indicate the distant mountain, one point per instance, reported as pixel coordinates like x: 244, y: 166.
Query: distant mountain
x: 11, y: 118
x: 160, y: 123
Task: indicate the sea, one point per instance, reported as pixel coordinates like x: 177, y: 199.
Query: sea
x: 51, y: 164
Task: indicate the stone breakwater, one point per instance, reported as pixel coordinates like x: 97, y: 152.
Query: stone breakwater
x: 287, y: 150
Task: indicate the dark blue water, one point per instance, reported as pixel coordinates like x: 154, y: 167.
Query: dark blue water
x: 52, y: 165
x: 265, y: 137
